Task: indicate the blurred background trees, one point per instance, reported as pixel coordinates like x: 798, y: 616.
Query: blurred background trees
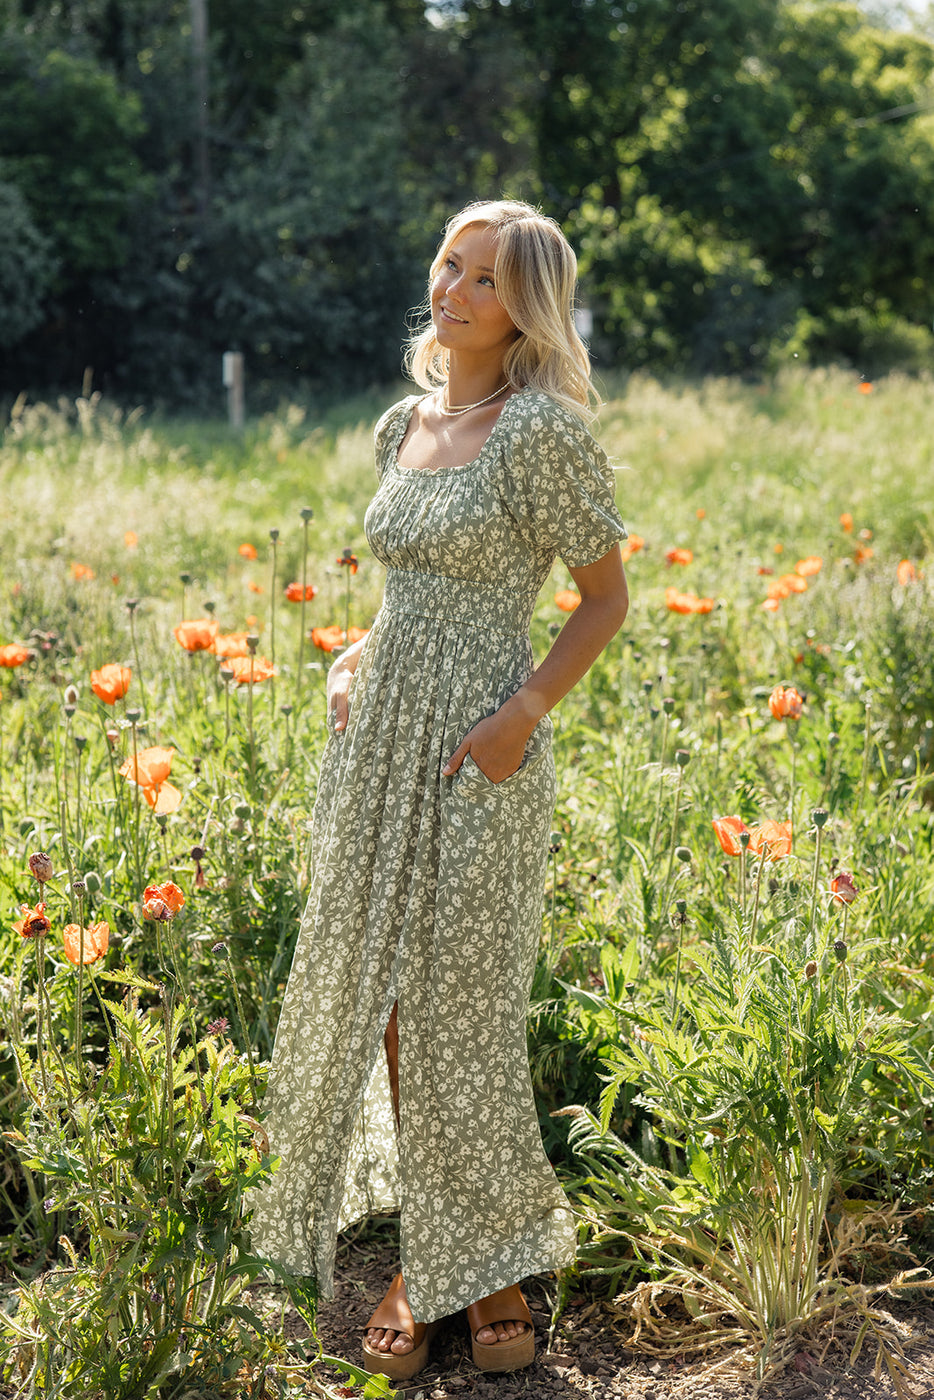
x: 744, y: 180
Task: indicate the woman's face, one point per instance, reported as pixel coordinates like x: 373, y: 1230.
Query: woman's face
x: 466, y: 313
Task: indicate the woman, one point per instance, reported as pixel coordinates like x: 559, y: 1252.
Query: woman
x: 400, y: 1074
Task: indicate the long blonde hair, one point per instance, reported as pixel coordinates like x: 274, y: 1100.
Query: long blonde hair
x: 535, y: 272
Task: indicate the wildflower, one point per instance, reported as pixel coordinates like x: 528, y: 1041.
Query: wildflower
x: 295, y: 594
x: 41, y: 866
x: 233, y: 644
x: 14, y: 655
x: 567, y: 599
x: 764, y: 569
x: 350, y: 559
x: 162, y: 902
x: 96, y: 942
x: 701, y: 513
x: 792, y: 583
x: 197, y: 634
x: 248, y: 551
x: 687, y: 602
x: 111, y: 682
x: 728, y: 831
x: 81, y: 571
x: 219, y: 1026
x: 865, y: 387
x: 771, y: 604
x: 249, y: 669
x: 811, y: 565
x: 846, y: 523
x: 631, y: 546
x: 786, y: 704
x: 844, y: 888
x: 328, y: 638
x: 771, y: 840
x: 130, y: 539
x: 34, y: 923
x: 862, y: 552
x: 150, y: 770
x: 113, y: 737
x: 907, y: 573
x: 678, y: 556
x: 254, y: 587
x: 865, y: 534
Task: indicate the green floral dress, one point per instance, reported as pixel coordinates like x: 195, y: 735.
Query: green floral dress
x: 428, y: 890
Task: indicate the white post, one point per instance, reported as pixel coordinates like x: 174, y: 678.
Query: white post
x: 233, y: 383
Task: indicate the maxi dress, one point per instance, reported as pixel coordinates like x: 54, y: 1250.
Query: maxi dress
x: 428, y: 890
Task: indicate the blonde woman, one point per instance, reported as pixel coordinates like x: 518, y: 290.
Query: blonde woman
x: 400, y: 1076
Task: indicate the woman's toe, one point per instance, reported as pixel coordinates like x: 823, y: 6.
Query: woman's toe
x: 403, y: 1344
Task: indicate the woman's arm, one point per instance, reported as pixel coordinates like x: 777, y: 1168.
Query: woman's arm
x: 498, y: 742
x: 340, y: 678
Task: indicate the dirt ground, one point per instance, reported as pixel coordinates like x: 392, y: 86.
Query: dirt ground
x: 589, y: 1361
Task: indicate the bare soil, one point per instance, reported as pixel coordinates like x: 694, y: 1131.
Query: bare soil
x: 588, y: 1358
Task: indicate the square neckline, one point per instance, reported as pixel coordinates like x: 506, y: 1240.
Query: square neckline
x: 405, y: 420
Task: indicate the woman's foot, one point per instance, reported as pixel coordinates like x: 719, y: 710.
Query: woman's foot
x: 394, y: 1344
x: 502, y: 1338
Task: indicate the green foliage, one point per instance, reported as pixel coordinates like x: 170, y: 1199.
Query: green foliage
x: 27, y: 268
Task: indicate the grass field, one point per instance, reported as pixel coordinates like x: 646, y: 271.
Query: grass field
x: 731, y: 1031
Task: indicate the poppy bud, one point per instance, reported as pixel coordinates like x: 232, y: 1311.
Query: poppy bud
x: 810, y: 969
x: 668, y: 705
x: 307, y: 513
x: 184, y: 578
x: 839, y: 951
x: 131, y: 605
x: 219, y: 950
x: 79, y: 889
x: 252, y: 642
x: 209, y: 608
x: 134, y: 716
x: 80, y: 742
x: 682, y: 758
x: 197, y: 853
x: 113, y: 737
x: 71, y: 695
x: 41, y: 866
x: 274, y: 535
x: 92, y: 881
x: 630, y: 989
x: 819, y: 817
x: 647, y: 686
x: 684, y: 854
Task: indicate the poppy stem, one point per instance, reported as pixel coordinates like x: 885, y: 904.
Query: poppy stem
x: 243, y: 1031
x: 40, y: 1008
x: 79, y: 996
x: 814, y: 878
x: 867, y: 735
x: 301, y: 630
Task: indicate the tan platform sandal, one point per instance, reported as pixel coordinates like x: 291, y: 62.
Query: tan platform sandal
x: 508, y: 1305
x: 394, y: 1312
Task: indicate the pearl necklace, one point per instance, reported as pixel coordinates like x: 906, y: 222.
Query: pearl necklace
x: 456, y: 412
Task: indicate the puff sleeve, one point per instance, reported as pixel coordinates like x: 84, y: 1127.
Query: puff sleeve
x: 558, y: 484
x: 389, y: 430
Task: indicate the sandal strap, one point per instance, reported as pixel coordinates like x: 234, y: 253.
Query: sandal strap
x: 394, y: 1311
x: 507, y: 1305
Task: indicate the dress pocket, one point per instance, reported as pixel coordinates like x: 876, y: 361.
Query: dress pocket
x: 472, y: 782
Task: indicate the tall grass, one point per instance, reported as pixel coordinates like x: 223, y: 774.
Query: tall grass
x: 743, y: 1059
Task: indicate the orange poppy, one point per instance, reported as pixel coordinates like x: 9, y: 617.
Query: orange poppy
x: 794, y: 583
x: 844, y: 888
x: 96, y: 942
x: 687, y: 602
x: 350, y: 559
x: 772, y: 840
x: 811, y: 565
x: 130, y: 539
x: 34, y: 923
x: 248, y: 551
x: 772, y: 604
x: 14, y: 655
x: 111, y: 682
x: 865, y: 534
x: 786, y: 704
x: 764, y: 571
x: 162, y: 902
x: 728, y: 830
x: 631, y: 546
x: 862, y: 552
x: 678, y: 556
x: 294, y: 592
x: 567, y: 599
x: 233, y: 644
x: 701, y: 513
x: 846, y: 523
x: 907, y: 573
x: 81, y: 571
x: 329, y: 638
x: 150, y: 772
x: 865, y: 387
x: 255, y: 587
x: 250, y: 669
x: 198, y: 634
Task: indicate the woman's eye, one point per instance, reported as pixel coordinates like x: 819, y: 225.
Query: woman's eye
x: 488, y: 281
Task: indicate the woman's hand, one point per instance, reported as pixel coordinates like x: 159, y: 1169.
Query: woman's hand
x: 497, y: 743
x: 340, y: 679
